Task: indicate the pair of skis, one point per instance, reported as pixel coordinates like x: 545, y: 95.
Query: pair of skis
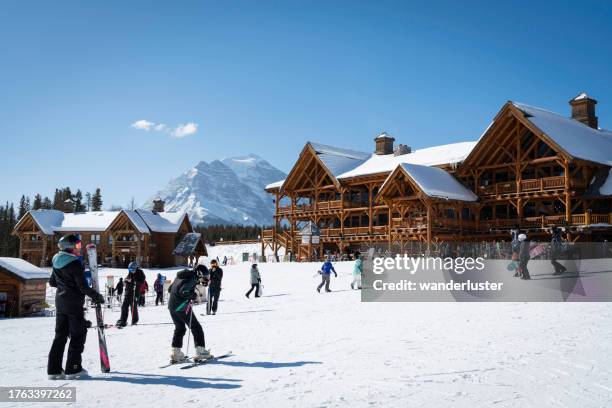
x: 92, y: 257
x: 192, y: 363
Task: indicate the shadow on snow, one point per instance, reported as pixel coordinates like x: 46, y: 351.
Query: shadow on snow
x: 173, y: 380
x: 264, y: 364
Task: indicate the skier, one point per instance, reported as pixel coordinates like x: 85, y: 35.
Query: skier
x: 182, y: 292
x: 216, y: 275
x: 132, y: 287
x: 555, y: 251
x: 524, y: 257
x: 357, y: 271
x: 325, y: 272
x: 119, y: 289
x: 255, y: 281
x: 158, y: 286
x: 144, y: 288
x: 68, y: 277
x: 224, y: 260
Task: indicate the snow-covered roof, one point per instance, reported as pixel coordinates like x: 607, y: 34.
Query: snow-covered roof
x: 431, y: 156
x: 339, y: 160
x: 581, y: 96
x: 276, y: 184
x: 23, y: 269
x: 436, y: 182
x: 137, y: 220
x: 87, y: 221
x: 576, y: 138
x: 384, y: 135
x: 48, y: 220
x: 162, y: 221
x: 606, y: 188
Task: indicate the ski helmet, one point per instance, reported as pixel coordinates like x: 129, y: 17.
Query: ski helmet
x: 70, y: 243
x: 201, y: 271
x: 132, y: 266
x: 522, y: 237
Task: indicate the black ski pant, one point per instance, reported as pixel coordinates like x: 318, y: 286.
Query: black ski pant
x: 129, y: 302
x: 160, y: 298
x: 71, y: 325
x: 213, y: 294
x: 324, y: 281
x: 558, y: 267
x: 253, y: 286
x: 181, y: 324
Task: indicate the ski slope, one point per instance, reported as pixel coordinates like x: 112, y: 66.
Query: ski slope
x: 295, y: 347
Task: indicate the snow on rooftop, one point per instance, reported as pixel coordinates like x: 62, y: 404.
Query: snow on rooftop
x: 436, y: 182
x: 276, y: 184
x: 48, y: 220
x: 137, y: 220
x: 582, y: 95
x: 87, y: 221
x: 606, y: 188
x: 339, y: 160
x: 162, y: 221
x: 431, y: 156
x: 578, y: 139
x: 384, y: 135
x: 23, y: 269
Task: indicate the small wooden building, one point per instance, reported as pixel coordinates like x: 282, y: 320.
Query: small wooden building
x: 189, y: 248
x: 22, y: 287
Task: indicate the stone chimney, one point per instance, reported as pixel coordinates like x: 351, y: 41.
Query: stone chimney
x: 384, y: 144
x: 583, y: 110
x: 401, y: 149
x: 158, y: 205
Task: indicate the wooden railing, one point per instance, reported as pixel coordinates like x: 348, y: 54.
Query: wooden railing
x: 29, y: 245
x: 530, y: 185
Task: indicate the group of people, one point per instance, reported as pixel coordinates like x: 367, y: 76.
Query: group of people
x: 521, y: 252
x: 327, y: 268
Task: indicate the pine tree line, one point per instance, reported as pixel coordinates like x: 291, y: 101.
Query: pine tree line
x: 9, y: 245
x: 214, y: 233
x: 63, y: 200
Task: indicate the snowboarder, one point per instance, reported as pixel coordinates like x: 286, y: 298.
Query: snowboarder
x: 555, y: 251
x: 524, y: 257
x: 325, y: 272
x: 119, y: 289
x: 357, y: 271
x: 132, y: 287
x: 158, y: 286
x: 216, y: 275
x: 144, y: 288
x: 255, y: 281
x: 68, y: 277
x: 182, y: 293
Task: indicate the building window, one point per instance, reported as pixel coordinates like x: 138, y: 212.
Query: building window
x: 110, y: 239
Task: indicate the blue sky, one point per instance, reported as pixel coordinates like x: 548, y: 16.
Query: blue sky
x: 265, y: 77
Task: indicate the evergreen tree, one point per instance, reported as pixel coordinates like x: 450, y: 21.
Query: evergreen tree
x: 88, y: 201
x: 37, y: 202
x: 47, y: 204
x: 78, y: 202
x: 96, y: 201
x: 24, y: 206
x: 58, y: 201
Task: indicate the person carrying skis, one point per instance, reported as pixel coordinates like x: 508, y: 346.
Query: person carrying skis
x: 216, y: 275
x: 158, y: 286
x: 524, y: 257
x: 119, y: 289
x: 132, y: 282
x: 68, y: 277
x: 144, y: 288
x: 357, y: 271
x: 255, y: 281
x: 182, y: 293
x: 325, y: 272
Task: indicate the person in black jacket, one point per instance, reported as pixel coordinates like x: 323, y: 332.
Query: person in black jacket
x: 132, y: 283
x: 216, y: 275
x: 182, y: 293
x: 68, y: 277
x: 119, y: 289
x: 555, y: 251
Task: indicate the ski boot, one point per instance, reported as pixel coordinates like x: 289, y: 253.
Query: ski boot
x: 177, y: 356
x: 60, y: 376
x: 74, y: 376
x: 202, y: 354
x: 120, y: 324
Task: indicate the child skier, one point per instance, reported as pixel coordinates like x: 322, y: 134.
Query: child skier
x: 182, y: 292
x: 524, y: 257
x: 69, y: 279
x: 132, y: 283
x: 158, y: 286
x: 326, y: 271
x: 357, y: 271
x: 255, y: 281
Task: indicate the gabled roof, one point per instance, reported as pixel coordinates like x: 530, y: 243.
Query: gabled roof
x: 431, y: 156
x: 162, y: 221
x: 433, y: 182
x: 339, y: 160
x: 137, y: 220
x: 577, y: 139
x: 191, y: 244
x: 87, y: 221
x: 47, y: 220
x: 23, y: 269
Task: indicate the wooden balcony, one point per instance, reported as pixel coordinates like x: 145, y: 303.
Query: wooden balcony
x: 32, y: 245
x: 530, y: 186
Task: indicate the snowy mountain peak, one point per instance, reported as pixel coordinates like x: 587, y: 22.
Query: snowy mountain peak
x: 228, y: 191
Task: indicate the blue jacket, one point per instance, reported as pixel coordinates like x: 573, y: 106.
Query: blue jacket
x: 328, y: 268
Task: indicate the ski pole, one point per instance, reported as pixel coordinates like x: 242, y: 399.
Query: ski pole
x: 190, y: 334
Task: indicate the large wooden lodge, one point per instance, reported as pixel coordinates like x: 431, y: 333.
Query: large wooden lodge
x: 531, y: 169
x: 149, y: 237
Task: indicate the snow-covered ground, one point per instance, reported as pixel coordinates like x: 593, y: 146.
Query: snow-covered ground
x: 295, y: 347
x: 234, y: 252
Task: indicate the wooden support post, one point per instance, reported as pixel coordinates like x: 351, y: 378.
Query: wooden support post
x: 568, y: 199
x: 429, y: 225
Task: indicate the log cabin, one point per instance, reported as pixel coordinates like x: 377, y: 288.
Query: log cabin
x: 148, y: 237
x: 531, y: 169
x: 22, y: 288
